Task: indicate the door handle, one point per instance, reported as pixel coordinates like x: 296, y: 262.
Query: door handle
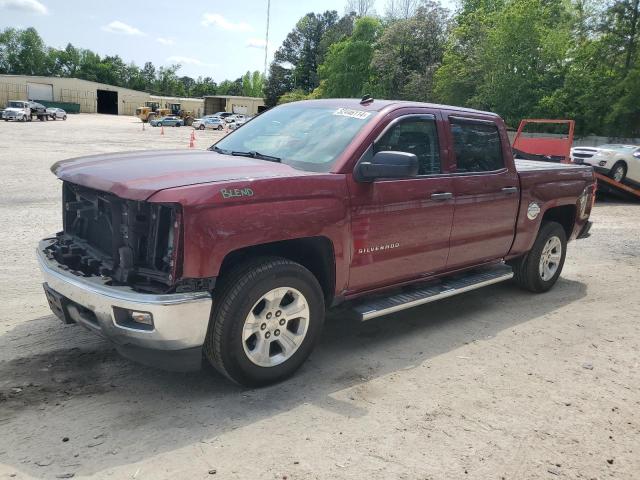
x: 440, y: 197
x: 510, y: 190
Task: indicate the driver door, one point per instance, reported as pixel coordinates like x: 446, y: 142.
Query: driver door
x: 401, y: 227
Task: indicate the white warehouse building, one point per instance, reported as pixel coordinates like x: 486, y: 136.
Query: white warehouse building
x: 84, y: 96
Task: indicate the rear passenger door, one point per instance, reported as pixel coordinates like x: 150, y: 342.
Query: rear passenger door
x: 486, y: 190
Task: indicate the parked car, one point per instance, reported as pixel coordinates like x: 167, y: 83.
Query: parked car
x: 55, y: 113
x: 222, y: 115
x: 169, y: 121
x: 234, y: 254
x: 213, y: 123
x: 238, y: 122
x: 236, y: 117
x: 618, y: 161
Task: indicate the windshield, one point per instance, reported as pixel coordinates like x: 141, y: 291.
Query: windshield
x: 16, y: 105
x: 306, y: 137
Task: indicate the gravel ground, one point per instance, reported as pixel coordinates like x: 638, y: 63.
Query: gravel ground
x: 494, y: 384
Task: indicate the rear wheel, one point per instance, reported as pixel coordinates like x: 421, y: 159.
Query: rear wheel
x: 619, y: 171
x: 539, y: 269
x: 64, y: 117
x: 201, y: 127
x: 266, y: 319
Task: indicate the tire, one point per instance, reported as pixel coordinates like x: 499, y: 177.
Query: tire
x: 618, y: 171
x: 233, y: 349
x: 201, y: 127
x: 23, y: 118
x: 64, y: 118
x: 220, y: 127
x: 529, y: 272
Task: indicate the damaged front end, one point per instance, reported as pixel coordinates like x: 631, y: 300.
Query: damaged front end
x: 133, y: 243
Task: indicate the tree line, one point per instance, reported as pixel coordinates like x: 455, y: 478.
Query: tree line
x: 23, y: 52
x: 520, y: 58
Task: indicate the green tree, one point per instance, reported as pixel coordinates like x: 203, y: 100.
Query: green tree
x: 301, y: 49
x: 346, y: 70
x: 293, y: 96
x: 409, y: 53
x: 278, y: 82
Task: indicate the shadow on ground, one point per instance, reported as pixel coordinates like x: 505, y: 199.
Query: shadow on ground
x: 126, y: 413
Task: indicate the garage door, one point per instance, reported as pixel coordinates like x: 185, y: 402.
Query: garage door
x: 40, y: 91
x: 239, y: 109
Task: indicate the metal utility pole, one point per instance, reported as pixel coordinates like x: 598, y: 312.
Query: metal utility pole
x: 266, y: 43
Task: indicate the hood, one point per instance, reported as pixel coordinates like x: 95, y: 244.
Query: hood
x: 138, y: 175
x: 15, y: 109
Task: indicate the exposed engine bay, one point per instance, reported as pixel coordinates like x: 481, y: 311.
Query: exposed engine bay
x: 133, y: 243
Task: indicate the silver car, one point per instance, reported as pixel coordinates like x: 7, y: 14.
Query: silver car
x: 212, y: 123
x: 56, y: 113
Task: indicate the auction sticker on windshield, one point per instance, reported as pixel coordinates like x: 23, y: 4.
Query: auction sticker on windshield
x: 347, y: 112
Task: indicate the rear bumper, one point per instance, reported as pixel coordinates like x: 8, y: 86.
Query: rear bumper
x: 180, y: 321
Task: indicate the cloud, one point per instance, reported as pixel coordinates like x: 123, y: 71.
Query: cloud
x: 256, y: 42
x: 121, y: 28
x: 189, y: 61
x: 218, y: 20
x: 27, y: 6
x: 166, y: 41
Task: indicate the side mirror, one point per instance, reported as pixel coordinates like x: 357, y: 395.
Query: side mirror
x: 388, y: 164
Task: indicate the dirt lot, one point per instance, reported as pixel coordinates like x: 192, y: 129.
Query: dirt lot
x: 494, y: 384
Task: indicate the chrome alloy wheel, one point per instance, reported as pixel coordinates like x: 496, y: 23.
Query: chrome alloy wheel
x: 550, y: 258
x: 275, y: 327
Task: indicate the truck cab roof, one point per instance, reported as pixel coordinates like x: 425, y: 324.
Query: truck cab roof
x: 377, y: 105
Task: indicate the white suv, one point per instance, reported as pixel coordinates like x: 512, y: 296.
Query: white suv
x: 618, y: 161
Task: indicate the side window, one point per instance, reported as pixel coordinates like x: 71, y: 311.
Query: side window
x: 414, y: 135
x: 477, y: 146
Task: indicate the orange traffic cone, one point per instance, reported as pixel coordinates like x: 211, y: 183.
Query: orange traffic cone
x: 161, y: 129
x: 192, y: 142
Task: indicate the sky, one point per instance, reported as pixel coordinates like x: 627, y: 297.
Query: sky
x: 216, y: 38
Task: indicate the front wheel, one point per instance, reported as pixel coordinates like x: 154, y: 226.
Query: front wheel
x: 64, y: 118
x: 266, y: 319
x: 539, y: 269
x: 619, y: 172
x: 201, y: 127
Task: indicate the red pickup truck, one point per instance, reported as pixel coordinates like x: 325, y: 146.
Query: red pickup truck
x: 233, y: 255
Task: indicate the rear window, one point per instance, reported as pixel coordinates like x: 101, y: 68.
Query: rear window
x: 477, y: 146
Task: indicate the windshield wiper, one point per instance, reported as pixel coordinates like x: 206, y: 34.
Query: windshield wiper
x: 215, y: 148
x: 254, y: 154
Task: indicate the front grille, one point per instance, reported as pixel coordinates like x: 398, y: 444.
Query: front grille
x: 131, y: 242
x: 582, y: 154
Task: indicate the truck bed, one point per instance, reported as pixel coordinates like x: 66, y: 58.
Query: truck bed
x: 534, y: 165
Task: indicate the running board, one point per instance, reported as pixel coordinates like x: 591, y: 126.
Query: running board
x: 447, y: 287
